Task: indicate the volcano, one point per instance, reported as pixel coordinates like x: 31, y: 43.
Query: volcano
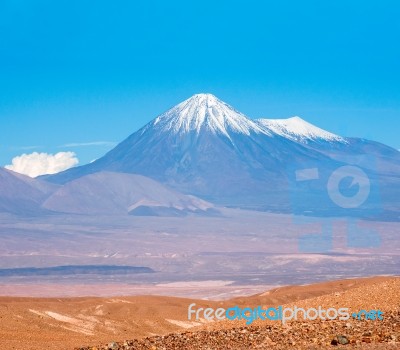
x: 204, y: 147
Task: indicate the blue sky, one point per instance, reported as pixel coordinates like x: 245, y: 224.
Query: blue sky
x: 82, y: 72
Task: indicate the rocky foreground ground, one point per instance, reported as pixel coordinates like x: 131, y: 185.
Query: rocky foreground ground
x: 353, y: 333
x: 294, y: 336
x: 156, y: 322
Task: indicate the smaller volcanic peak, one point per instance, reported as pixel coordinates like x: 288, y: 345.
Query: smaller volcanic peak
x: 299, y: 130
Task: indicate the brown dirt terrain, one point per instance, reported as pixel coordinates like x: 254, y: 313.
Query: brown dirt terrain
x: 68, y: 323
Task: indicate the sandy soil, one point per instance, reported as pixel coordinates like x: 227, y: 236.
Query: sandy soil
x: 68, y: 323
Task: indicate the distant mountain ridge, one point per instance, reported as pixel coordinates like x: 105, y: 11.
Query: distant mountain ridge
x: 103, y: 193
x: 74, y: 270
x: 20, y: 194
x: 108, y: 193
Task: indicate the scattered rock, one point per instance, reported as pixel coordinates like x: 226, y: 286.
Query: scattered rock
x: 343, y: 340
x: 113, y: 346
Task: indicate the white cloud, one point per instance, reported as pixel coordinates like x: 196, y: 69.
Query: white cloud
x: 35, y: 164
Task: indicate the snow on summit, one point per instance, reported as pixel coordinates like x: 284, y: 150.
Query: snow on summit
x: 206, y: 111
x: 299, y: 130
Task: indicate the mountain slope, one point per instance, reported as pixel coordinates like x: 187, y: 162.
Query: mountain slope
x: 109, y: 193
x: 20, y: 194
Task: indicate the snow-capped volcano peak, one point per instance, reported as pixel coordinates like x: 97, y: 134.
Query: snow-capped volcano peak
x: 205, y: 111
x: 298, y: 130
